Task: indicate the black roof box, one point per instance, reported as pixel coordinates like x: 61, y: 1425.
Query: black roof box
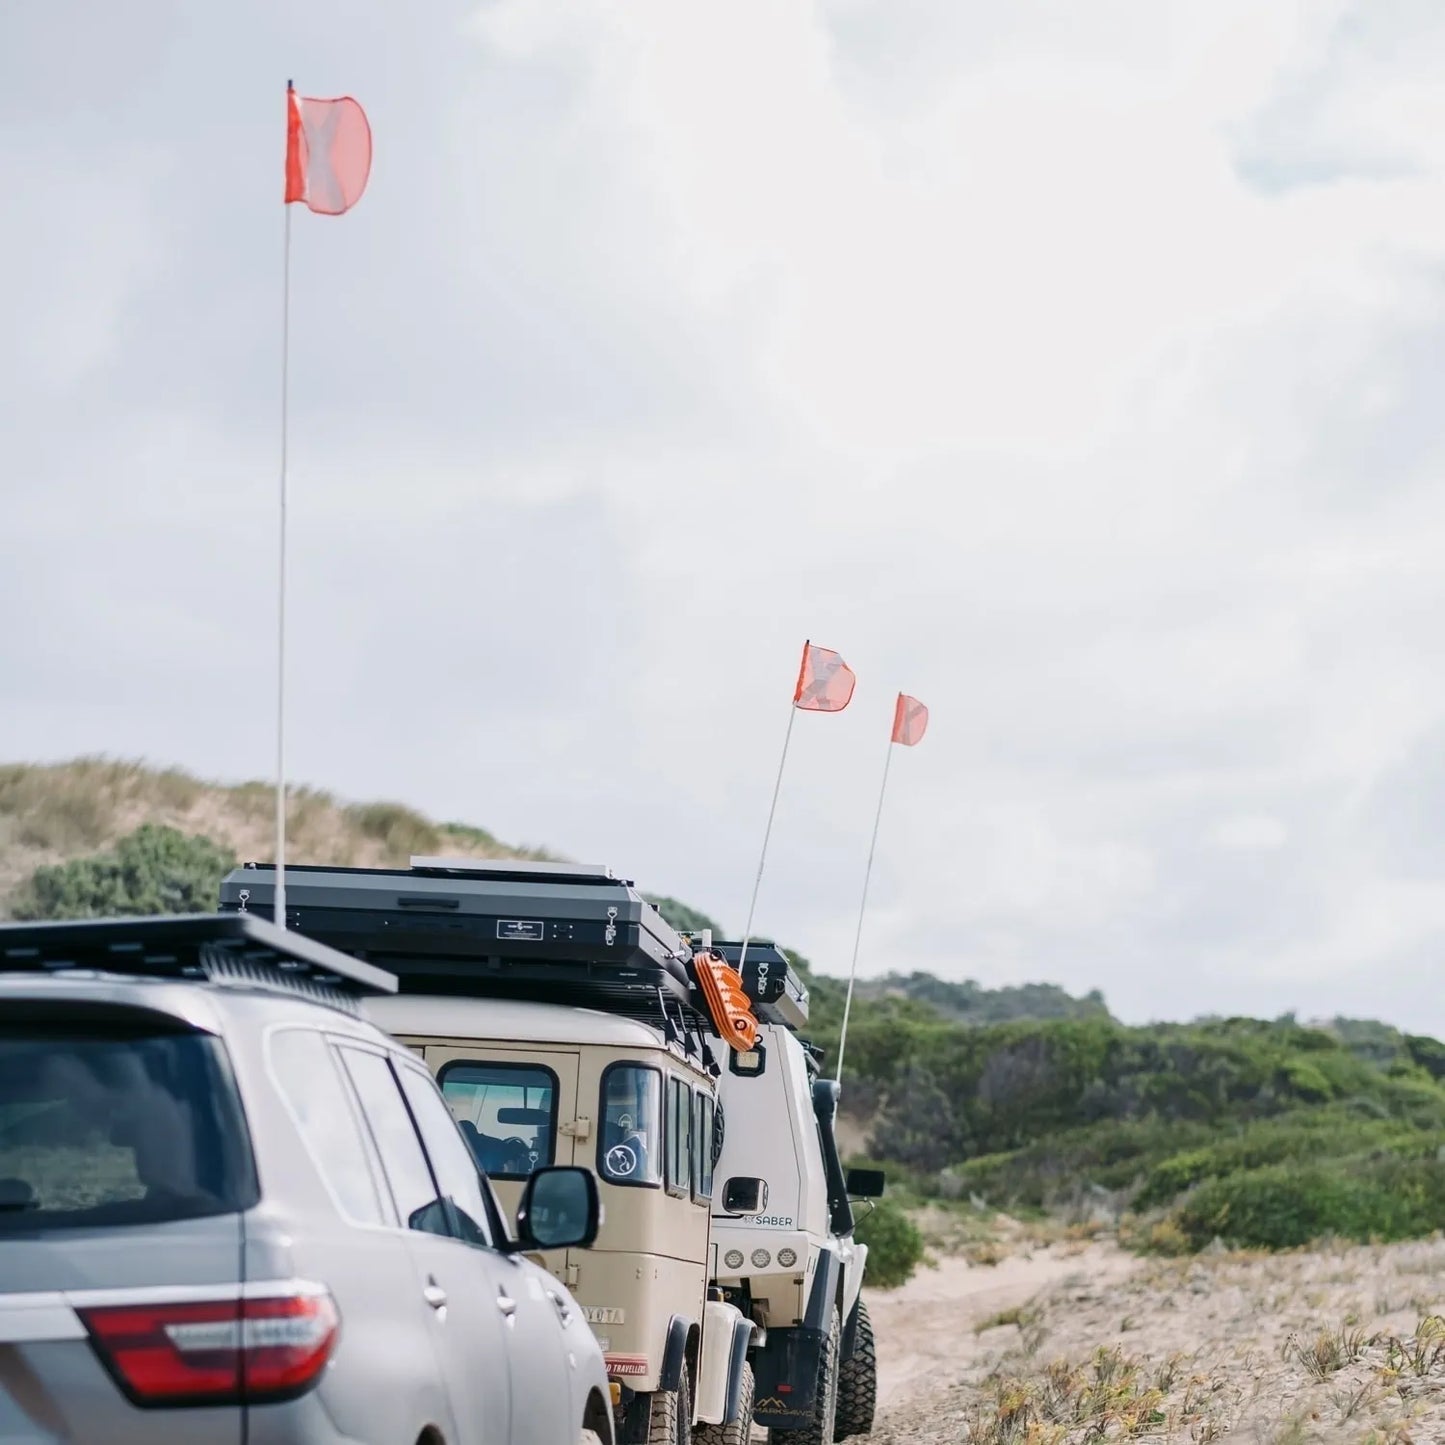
x: 778, y: 994
x: 560, y: 932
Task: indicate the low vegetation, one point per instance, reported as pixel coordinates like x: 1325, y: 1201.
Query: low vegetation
x: 895, y: 1244
x: 1258, y: 1133
x: 154, y: 870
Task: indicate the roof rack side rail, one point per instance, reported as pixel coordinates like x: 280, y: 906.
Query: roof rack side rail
x: 224, y: 947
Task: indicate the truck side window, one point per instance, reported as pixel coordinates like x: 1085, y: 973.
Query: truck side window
x: 507, y: 1113
x: 629, y: 1144
x: 702, y: 1149
x: 679, y: 1137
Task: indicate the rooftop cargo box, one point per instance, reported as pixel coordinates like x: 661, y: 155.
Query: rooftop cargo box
x: 778, y: 994
x: 494, y: 928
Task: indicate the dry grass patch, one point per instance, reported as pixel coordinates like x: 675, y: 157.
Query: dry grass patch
x: 1328, y: 1351
x: 56, y: 812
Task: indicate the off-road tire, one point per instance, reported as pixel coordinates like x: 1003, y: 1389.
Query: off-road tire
x: 663, y: 1417
x: 819, y: 1431
x: 858, y: 1382
x: 740, y: 1432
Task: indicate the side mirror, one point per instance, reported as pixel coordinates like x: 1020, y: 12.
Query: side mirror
x: 865, y: 1183
x: 745, y: 1195
x: 560, y: 1209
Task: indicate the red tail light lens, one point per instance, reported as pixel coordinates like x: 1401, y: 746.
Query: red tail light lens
x: 216, y: 1352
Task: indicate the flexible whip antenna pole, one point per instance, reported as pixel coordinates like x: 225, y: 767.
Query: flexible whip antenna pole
x: 862, y: 909
x: 767, y: 833
x: 279, y: 908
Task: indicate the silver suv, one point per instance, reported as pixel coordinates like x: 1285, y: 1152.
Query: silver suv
x: 233, y: 1211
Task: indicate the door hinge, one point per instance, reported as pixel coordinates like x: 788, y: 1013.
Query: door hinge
x: 570, y: 1275
x: 576, y: 1128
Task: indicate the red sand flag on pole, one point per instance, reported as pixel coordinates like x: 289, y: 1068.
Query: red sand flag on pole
x: 328, y: 162
x: 910, y: 721
x: 825, y: 684
x: 825, y: 681
x: 328, y: 153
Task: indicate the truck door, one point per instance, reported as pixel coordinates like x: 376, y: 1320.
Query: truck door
x: 516, y: 1107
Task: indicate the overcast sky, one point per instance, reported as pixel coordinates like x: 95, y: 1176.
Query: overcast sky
x: 1077, y: 368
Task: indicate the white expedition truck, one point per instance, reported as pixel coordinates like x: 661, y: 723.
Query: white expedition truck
x: 795, y: 1268
x: 568, y: 1024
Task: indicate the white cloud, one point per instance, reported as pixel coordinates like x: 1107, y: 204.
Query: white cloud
x: 1079, y: 378
x: 1250, y: 833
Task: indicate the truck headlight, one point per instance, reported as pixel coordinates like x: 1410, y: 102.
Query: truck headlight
x: 761, y: 1259
x: 787, y: 1258
x: 733, y: 1259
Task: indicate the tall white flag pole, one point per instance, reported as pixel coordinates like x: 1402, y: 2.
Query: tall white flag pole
x: 327, y: 167
x: 768, y: 832
x: 279, y: 908
x: 862, y: 909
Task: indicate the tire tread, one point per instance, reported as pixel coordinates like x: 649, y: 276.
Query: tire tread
x: 858, y: 1383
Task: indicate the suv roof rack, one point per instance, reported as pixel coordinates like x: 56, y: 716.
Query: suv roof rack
x: 207, y: 946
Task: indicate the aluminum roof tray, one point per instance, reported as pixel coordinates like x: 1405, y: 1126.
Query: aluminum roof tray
x: 198, y: 946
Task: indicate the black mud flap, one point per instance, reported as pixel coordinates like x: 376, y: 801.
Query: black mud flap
x: 785, y: 1370
x: 785, y: 1378
x: 849, y: 1342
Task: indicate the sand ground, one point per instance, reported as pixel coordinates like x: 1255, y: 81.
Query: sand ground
x: 1075, y: 1343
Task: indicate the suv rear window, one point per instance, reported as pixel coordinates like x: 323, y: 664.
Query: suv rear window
x: 117, y: 1127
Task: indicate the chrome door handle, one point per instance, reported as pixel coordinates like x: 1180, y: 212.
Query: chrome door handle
x: 435, y: 1296
x: 507, y: 1305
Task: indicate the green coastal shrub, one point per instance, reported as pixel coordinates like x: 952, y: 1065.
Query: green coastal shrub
x: 1283, y: 1206
x: 154, y: 870
x: 895, y: 1247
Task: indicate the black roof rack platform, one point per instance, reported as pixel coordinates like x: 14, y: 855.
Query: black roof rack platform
x: 777, y: 992
x: 192, y: 946
x: 558, y: 933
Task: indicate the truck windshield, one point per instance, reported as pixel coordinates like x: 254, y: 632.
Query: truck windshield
x: 129, y: 1126
x: 629, y: 1150
x: 507, y: 1112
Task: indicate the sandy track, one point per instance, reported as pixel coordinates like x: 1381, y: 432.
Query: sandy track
x: 1334, y: 1346
x: 925, y: 1330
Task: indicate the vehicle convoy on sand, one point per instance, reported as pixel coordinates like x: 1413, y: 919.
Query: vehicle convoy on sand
x: 233, y: 1210
x: 794, y: 1268
x: 567, y: 1023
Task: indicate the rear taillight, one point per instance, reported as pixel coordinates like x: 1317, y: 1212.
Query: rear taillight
x: 216, y: 1352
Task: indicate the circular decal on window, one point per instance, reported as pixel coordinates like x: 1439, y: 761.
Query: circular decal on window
x: 621, y: 1159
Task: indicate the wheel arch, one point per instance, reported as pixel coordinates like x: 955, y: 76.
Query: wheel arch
x: 683, y: 1335
x: 597, y: 1417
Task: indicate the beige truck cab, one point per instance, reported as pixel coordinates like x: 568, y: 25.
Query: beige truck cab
x: 564, y: 1022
